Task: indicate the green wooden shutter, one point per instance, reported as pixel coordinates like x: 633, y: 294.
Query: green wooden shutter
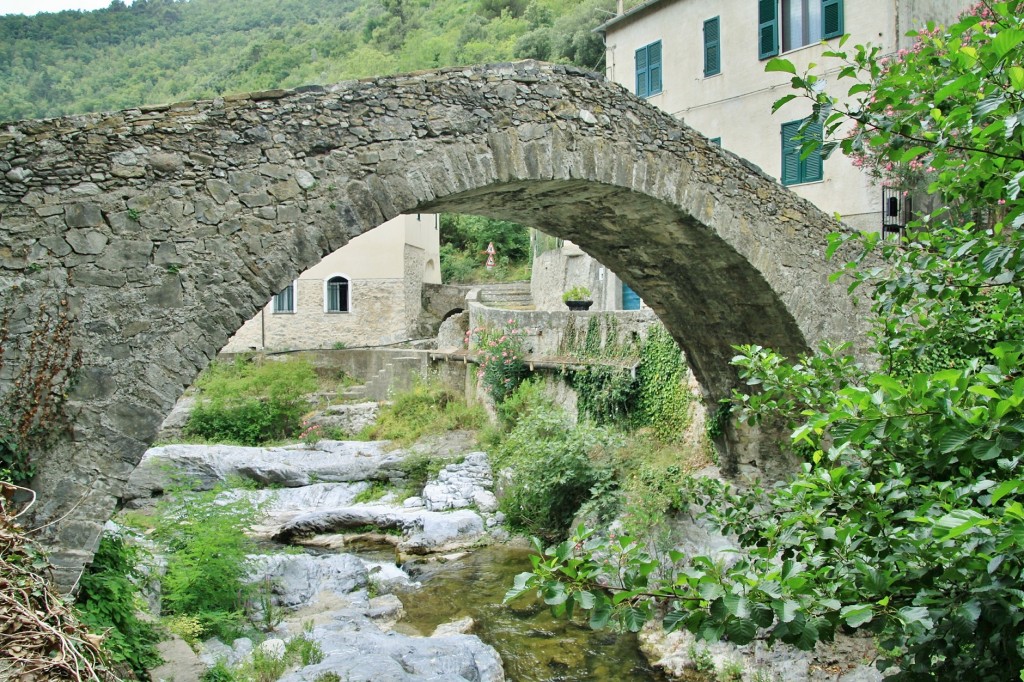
x: 812, y: 168
x: 831, y: 18
x: 712, y: 47
x: 767, y: 28
x: 654, y: 68
x: 641, y: 72
x: 790, y: 153
x: 794, y: 169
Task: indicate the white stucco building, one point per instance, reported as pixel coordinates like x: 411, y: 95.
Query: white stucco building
x: 703, y: 61
x: 368, y: 293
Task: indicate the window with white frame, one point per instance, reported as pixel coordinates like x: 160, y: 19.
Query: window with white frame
x: 795, y: 23
x: 337, y: 294
x: 284, y: 300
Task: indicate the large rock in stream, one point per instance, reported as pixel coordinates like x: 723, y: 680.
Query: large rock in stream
x: 289, y: 467
x: 424, y: 531
x: 357, y: 650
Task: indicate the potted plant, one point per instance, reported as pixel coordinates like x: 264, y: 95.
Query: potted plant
x: 577, y: 298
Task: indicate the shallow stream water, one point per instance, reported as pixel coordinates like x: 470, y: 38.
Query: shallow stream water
x: 534, y: 646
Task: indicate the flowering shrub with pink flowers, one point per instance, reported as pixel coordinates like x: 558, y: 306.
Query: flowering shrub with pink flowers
x: 311, y: 433
x: 500, y: 354
x: 942, y: 116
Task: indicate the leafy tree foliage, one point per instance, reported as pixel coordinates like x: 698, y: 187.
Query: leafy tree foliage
x: 464, y: 242
x: 907, y: 517
x: 158, y: 51
x: 566, y: 35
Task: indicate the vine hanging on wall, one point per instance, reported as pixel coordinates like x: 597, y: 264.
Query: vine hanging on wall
x: 44, y: 365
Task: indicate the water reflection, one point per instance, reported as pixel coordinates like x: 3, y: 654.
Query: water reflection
x: 534, y: 646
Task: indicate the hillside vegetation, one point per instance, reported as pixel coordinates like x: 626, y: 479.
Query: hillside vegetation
x: 161, y: 51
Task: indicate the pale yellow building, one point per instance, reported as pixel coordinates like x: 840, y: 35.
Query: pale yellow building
x: 368, y: 293
x: 703, y: 61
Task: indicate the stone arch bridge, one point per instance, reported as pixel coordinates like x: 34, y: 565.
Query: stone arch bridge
x: 165, y: 228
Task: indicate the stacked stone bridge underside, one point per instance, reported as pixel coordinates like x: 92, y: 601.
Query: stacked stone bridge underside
x: 166, y: 228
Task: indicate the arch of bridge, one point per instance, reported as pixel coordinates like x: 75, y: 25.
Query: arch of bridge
x: 166, y: 228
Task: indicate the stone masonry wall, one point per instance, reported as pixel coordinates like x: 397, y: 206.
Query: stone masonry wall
x: 167, y: 227
x: 377, y: 317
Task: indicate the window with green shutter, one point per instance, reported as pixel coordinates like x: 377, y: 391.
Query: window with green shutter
x: 791, y: 24
x: 648, y: 69
x: 831, y: 19
x: 768, y: 28
x: 712, y: 47
x: 797, y: 170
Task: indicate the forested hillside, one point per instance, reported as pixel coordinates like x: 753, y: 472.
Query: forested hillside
x: 160, y: 51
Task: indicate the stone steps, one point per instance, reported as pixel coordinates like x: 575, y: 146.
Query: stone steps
x: 397, y: 375
x: 513, y: 295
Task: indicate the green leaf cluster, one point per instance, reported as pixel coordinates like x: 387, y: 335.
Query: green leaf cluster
x: 557, y: 467
x: 204, y: 535
x: 651, y: 391
x: 108, y: 602
x: 663, y: 396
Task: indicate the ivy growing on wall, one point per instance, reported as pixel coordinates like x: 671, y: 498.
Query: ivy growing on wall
x: 607, y: 390
x: 43, y: 366
x: 640, y: 383
x: 663, y: 398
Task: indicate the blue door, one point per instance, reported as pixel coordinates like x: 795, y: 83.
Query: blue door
x: 630, y: 299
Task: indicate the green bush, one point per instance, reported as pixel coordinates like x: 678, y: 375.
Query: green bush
x: 518, y: 404
x: 557, y: 468
x: 428, y: 408
x: 108, y: 602
x: 457, y: 265
x: 251, y: 403
x: 207, y: 548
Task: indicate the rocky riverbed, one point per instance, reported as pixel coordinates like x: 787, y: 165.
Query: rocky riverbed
x: 359, y: 555
x: 339, y: 599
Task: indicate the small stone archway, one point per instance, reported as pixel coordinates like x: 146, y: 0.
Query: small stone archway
x: 166, y: 228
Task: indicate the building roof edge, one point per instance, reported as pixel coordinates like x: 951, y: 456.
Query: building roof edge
x: 603, y: 28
